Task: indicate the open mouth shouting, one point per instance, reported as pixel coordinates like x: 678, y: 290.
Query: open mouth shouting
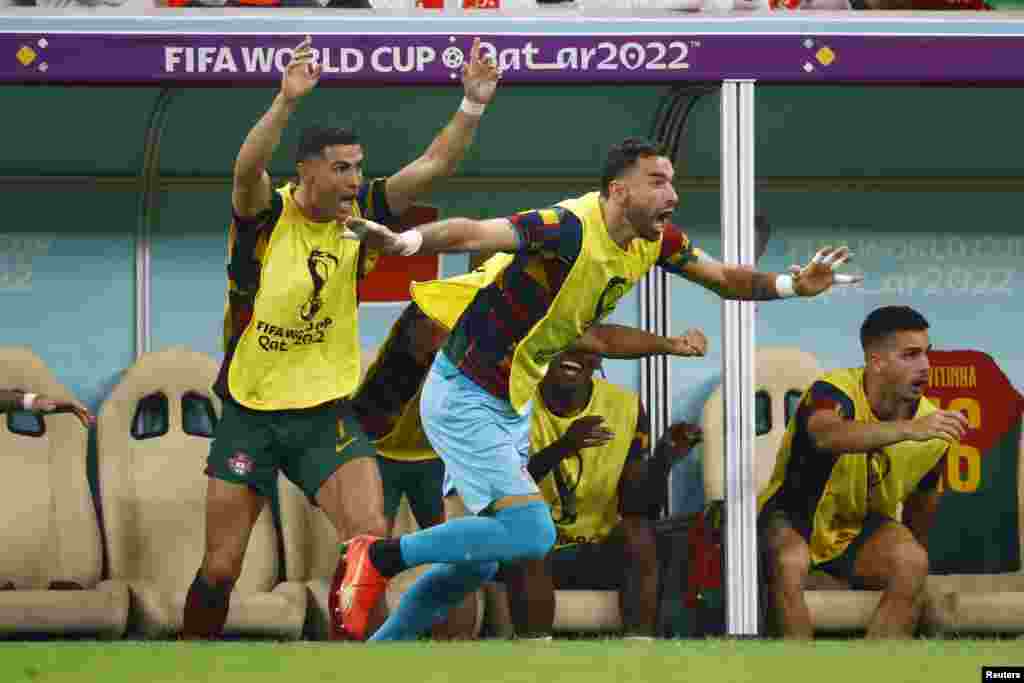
x: 570, y: 368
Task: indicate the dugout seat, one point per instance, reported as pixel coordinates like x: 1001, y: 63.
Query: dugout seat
x: 783, y: 374
x: 52, y: 547
x: 154, y: 433
x: 311, y: 548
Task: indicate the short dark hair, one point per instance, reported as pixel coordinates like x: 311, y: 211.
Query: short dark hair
x: 315, y: 139
x: 623, y: 156
x: 883, y: 321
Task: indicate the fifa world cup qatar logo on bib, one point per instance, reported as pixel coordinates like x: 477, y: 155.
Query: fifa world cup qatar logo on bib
x: 613, y: 291
x: 879, y: 467
x: 609, y: 299
x: 321, y: 265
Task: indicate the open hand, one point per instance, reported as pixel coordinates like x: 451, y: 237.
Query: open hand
x: 373, y: 235
x: 819, y: 275
x: 480, y: 76
x: 587, y: 432
x: 942, y: 424
x: 301, y: 75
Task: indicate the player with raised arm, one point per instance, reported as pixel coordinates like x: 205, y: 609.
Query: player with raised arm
x: 572, y: 264
x: 291, y: 328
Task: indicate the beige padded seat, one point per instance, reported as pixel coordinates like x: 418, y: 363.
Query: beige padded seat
x: 781, y: 371
x: 576, y: 611
x: 153, y: 492
x: 50, y: 531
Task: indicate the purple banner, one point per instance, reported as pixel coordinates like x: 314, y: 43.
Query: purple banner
x: 435, y: 59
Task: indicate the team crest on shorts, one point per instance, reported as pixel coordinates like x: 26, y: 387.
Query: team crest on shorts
x: 240, y: 464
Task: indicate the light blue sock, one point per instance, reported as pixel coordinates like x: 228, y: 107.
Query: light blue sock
x: 431, y: 596
x: 467, y: 551
x: 520, y: 532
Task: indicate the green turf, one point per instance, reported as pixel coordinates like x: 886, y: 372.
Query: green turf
x: 955, y: 661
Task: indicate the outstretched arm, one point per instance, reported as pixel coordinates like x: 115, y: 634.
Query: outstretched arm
x: 746, y: 284
x: 531, y: 231
x: 680, y: 256
x: 251, y: 191
x: 827, y: 415
x: 480, y: 79
x: 18, y: 400
x: 619, y: 341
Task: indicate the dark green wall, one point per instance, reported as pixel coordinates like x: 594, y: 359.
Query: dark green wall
x: 530, y: 132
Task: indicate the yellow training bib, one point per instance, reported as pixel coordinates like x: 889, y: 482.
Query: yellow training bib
x: 444, y: 301
x: 859, y: 483
x: 602, y: 274
x: 586, y: 509
x: 301, y: 348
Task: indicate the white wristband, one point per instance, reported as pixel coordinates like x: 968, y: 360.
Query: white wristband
x: 472, y: 108
x: 409, y: 242
x: 28, y: 401
x: 784, y: 286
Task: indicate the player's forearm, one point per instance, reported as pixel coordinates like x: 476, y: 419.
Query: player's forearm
x: 547, y: 459
x: 447, y: 150
x: 259, y: 145
x: 11, y: 400
x: 746, y: 284
x: 919, y: 511
x: 620, y: 341
x: 455, y: 235
x: 847, y: 436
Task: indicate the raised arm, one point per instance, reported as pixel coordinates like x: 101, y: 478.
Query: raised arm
x: 619, y: 341
x: 251, y: 191
x: 480, y: 80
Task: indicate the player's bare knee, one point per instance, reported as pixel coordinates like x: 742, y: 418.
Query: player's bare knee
x: 222, y: 567
x: 908, y: 569
x: 789, y: 565
x: 372, y: 522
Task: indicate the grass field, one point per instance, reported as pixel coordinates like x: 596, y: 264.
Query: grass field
x: 594, y: 661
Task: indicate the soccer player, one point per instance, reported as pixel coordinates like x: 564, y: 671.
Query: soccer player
x: 386, y: 404
x: 291, y: 329
x: 589, y: 441
x: 863, y: 441
x: 12, y: 400
x: 572, y: 263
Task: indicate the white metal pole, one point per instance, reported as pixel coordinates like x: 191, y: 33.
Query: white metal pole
x: 737, y: 109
